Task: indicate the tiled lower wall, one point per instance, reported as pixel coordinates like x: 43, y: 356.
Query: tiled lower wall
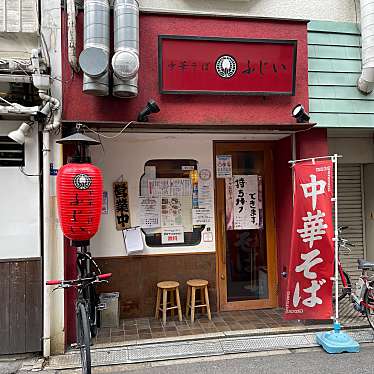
x: 135, y: 278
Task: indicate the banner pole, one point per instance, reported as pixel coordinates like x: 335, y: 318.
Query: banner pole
x: 292, y: 162
x: 336, y: 237
x: 336, y: 341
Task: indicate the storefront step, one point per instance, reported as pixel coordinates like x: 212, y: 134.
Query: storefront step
x: 220, y: 344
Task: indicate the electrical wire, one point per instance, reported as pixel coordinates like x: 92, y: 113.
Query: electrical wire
x: 109, y: 137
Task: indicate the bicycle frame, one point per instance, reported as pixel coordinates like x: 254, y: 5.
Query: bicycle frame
x: 342, y: 277
x: 88, y: 274
x: 363, y: 284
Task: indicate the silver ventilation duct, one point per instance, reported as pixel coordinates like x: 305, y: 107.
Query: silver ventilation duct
x: 125, y: 61
x: 366, y: 81
x: 94, y: 59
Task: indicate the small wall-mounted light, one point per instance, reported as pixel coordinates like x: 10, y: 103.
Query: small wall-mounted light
x: 20, y: 134
x: 300, y: 114
x: 151, y: 107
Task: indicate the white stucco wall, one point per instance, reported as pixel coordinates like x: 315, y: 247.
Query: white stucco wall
x: 19, y: 201
x: 329, y: 10
x: 126, y: 155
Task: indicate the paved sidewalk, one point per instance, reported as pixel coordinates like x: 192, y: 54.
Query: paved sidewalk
x: 218, y: 344
x: 21, y: 363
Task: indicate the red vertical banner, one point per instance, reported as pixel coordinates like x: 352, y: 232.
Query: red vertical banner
x: 309, y: 291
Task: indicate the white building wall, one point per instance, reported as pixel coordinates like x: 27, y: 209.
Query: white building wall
x: 329, y: 10
x: 19, y: 201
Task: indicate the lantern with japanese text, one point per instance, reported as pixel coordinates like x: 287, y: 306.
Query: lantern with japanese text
x: 79, y: 193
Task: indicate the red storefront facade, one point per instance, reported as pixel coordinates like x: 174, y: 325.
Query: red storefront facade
x: 245, y: 114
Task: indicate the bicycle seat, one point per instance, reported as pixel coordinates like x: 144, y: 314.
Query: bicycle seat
x: 365, y: 265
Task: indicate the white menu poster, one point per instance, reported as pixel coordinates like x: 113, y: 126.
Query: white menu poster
x: 170, y: 187
x: 150, y: 212
x: 246, y: 202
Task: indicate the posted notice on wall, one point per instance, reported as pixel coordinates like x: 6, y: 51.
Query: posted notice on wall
x: 150, y: 212
x: 223, y: 166
x: 205, y: 188
x: 176, y: 211
x: 170, y: 187
x: 202, y: 216
x: 104, y: 206
x: 172, y: 235
x: 246, y: 202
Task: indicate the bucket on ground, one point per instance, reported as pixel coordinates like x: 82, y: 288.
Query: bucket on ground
x: 110, y: 315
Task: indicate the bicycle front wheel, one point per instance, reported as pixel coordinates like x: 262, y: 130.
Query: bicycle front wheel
x: 83, y: 338
x: 369, y: 305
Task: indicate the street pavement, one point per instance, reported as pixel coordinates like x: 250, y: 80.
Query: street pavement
x: 296, y: 361
x: 284, y: 362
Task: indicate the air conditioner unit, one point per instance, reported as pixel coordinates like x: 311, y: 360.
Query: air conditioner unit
x: 19, y: 16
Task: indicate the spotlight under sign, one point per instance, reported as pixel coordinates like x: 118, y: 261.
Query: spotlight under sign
x: 210, y: 65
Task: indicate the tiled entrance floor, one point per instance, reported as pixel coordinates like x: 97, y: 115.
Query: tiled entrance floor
x: 150, y: 328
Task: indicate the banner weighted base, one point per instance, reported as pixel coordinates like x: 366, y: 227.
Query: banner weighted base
x: 336, y: 341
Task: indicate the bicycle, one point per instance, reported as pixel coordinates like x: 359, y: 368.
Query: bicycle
x: 344, y: 276
x: 88, y: 305
x: 363, y: 296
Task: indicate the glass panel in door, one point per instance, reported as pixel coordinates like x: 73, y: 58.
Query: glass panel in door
x: 246, y: 248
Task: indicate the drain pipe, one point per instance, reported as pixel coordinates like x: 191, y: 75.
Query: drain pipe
x: 365, y: 83
x: 54, y: 105
x: 125, y: 61
x: 46, y: 247
x: 94, y: 59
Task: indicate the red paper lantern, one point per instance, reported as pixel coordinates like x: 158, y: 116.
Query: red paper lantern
x: 79, y: 200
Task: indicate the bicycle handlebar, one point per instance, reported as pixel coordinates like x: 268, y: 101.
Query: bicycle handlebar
x: 75, y: 282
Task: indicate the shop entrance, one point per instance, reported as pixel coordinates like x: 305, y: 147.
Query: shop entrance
x: 246, y: 249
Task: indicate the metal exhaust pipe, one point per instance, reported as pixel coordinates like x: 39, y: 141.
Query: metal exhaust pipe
x: 94, y: 59
x: 125, y: 62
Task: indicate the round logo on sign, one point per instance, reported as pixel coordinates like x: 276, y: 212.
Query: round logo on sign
x: 226, y: 66
x: 82, y: 181
x: 205, y: 174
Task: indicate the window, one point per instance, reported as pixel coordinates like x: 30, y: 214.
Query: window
x: 174, y: 183
x: 11, y: 153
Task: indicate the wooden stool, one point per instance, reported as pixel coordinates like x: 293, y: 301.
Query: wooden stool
x: 192, y: 286
x: 165, y: 287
